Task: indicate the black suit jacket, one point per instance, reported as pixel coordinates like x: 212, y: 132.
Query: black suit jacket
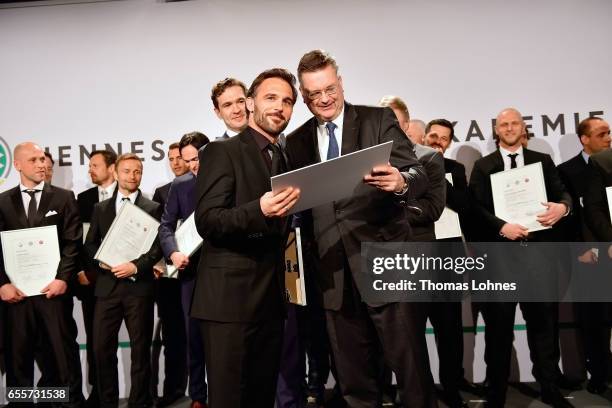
x: 103, y: 215
x: 69, y: 228
x: 425, y: 210
x: 161, y: 194
x: 480, y: 188
x: 240, y: 276
x: 370, y: 215
x: 86, y: 201
x: 574, y: 173
x: 595, y: 200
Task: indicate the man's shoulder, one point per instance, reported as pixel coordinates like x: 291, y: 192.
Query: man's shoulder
x: 6, y: 194
x: 305, y: 128
x: 573, y: 164
x: 86, y: 194
x: 147, y: 204
x: 603, y: 158
x: 452, y: 165
x: 184, y: 180
x: 58, y: 191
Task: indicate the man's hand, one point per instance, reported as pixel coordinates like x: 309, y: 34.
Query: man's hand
x: 278, y: 205
x: 589, y: 257
x: 82, y: 277
x: 513, y: 231
x: 554, y: 212
x: 55, y: 288
x: 386, y: 178
x: 125, y: 270
x: 610, y: 252
x: 9, y: 293
x: 179, y: 260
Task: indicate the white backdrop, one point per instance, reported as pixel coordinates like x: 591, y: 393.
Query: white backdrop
x: 139, y: 72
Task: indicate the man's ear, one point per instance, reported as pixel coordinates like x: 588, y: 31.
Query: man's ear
x: 250, y: 104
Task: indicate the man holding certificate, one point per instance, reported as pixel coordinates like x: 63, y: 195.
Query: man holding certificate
x: 240, y: 290
x: 42, y: 261
x: 124, y: 290
x: 541, y: 317
x: 375, y: 212
x: 179, y: 206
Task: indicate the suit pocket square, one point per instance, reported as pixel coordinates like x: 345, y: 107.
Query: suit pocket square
x: 50, y: 213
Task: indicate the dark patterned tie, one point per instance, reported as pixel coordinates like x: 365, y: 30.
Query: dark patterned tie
x: 332, y: 150
x: 278, y: 160
x: 512, y: 157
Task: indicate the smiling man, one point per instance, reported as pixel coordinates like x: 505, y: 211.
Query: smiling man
x: 374, y: 213
x: 229, y: 100
x: 240, y: 291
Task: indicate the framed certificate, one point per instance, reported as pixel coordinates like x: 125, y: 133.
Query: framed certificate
x: 294, y: 269
x: 448, y: 225
x: 131, y: 234
x: 518, y: 195
x: 31, y: 257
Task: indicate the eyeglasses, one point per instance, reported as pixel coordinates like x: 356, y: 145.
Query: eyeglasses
x: 329, y: 91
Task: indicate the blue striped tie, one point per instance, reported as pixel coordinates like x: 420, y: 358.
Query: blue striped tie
x: 332, y: 149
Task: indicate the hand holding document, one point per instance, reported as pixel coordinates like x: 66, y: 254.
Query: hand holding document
x: 448, y: 225
x: 187, y: 240
x: 518, y: 195
x: 131, y: 234
x: 332, y: 180
x: 31, y: 257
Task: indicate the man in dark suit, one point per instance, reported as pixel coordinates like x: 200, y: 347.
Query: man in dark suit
x: 124, y: 293
x: 594, y: 135
x: 373, y: 213
x: 179, y: 206
x: 239, y: 292
x: 36, y: 204
x: 597, y: 207
x: 170, y: 330
x: 229, y: 100
x: 499, y: 317
x: 101, y: 168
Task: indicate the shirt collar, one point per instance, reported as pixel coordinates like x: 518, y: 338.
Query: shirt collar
x: 132, y: 197
x: 505, y: 152
x: 38, y: 187
x: 230, y: 132
x: 585, y: 156
x: 261, y: 140
x: 110, y: 189
x: 338, y: 121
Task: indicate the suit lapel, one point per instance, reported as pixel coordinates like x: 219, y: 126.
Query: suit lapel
x: 350, y: 130
x: 18, y: 206
x: 45, y: 201
x: 252, y: 158
x: 498, y: 162
x: 529, y: 159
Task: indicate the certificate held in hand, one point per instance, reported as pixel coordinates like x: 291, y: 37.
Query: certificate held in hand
x: 131, y: 234
x: 31, y: 257
x: 188, y: 240
x: 518, y: 195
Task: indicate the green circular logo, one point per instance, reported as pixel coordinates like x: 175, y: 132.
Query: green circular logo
x: 5, y: 159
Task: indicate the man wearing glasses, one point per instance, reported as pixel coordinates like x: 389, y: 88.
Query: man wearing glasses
x: 374, y: 213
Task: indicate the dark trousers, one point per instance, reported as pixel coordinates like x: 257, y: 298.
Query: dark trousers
x: 173, y: 337
x: 137, y: 312
x: 499, y: 336
x: 198, y: 389
x: 88, y: 304
x: 36, y: 317
x: 243, y: 362
x: 594, y: 322
x: 356, y: 333
x: 446, y: 320
x: 289, y: 391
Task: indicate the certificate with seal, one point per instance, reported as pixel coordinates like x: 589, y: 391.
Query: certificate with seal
x: 31, y: 257
x: 188, y: 240
x: 518, y: 195
x: 131, y: 234
x: 448, y: 225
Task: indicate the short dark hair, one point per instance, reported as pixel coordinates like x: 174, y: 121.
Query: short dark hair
x: 441, y: 122
x: 47, y: 154
x: 584, y: 127
x: 221, y: 86
x: 280, y: 73
x: 109, y: 156
x: 175, y: 145
x: 315, y: 60
x: 195, y: 139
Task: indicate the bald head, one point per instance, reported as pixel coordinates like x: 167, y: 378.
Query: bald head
x: 29, y: 161
x: 509, y: 127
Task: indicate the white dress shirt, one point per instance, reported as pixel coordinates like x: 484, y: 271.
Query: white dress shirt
x: 25, y: 197
x: 323, y: 136
x: 520, y: 158
x: 119, y: 200
x: 104, y: 193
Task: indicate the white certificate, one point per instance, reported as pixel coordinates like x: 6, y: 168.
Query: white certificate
x: 295, y: 285
x: 609, y: 196
x: 518, y: 195
x: 131, y: 234
x: 187, y: 240
x: 334, y: 179
x: 86, y: 226
x: 448, y: 225
x: 31, y: 257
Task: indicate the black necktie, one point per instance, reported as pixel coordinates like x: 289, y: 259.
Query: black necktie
x: 31, y: 207
x: 278, y: 160
x: 126, y: 199
x: 512, y: 157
